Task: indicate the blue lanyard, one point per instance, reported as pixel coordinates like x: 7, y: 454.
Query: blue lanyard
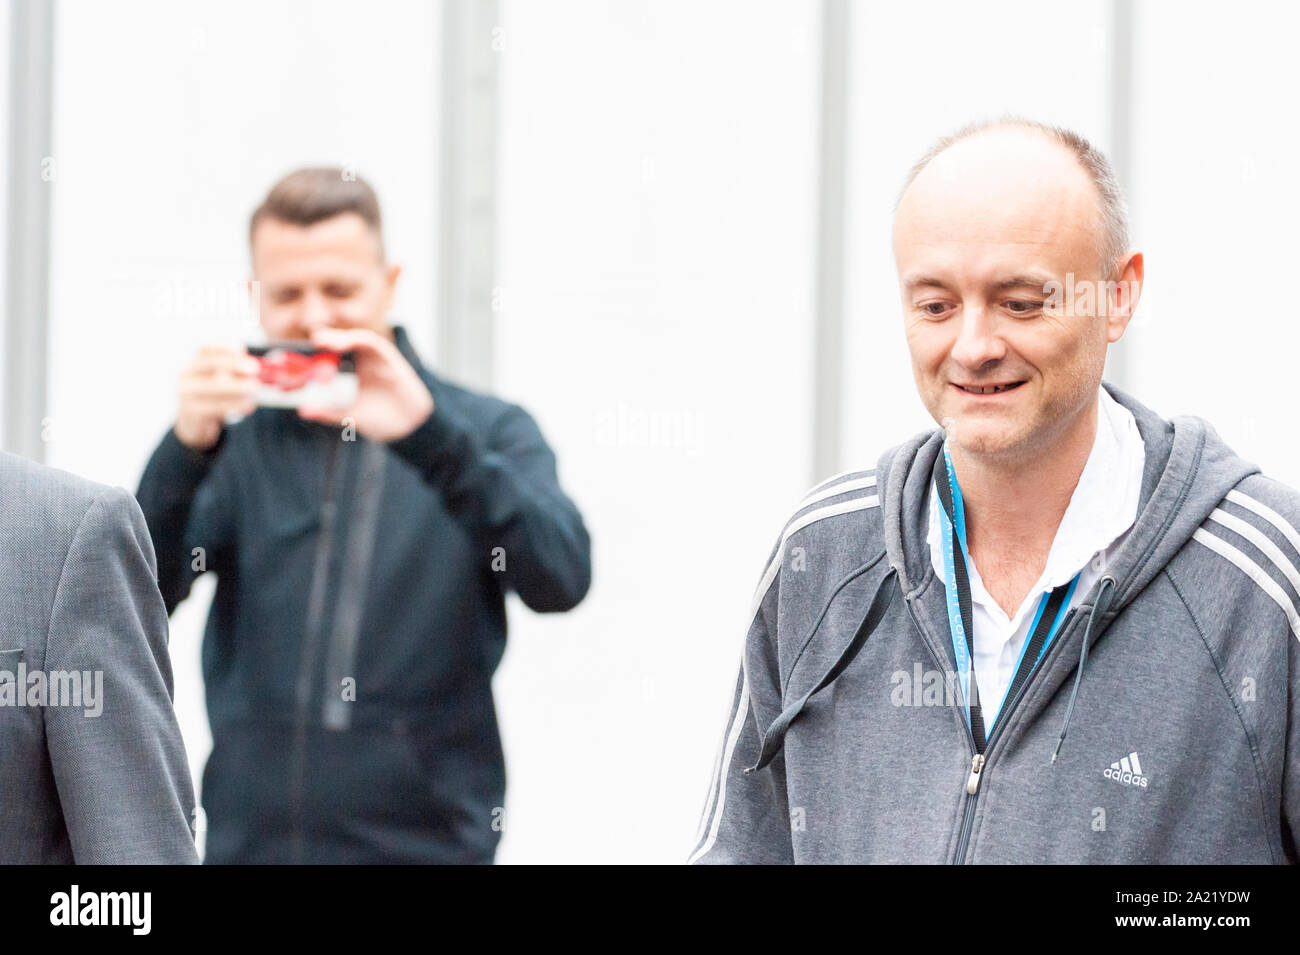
x: 953, y: 533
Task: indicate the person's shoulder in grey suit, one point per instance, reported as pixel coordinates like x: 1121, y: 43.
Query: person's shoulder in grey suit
x: 94, y: 769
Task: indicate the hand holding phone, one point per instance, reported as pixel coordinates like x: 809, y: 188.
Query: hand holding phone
x: 391, y: 401
x: 219, y: 383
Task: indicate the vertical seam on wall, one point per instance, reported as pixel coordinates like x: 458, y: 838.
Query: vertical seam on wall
x: 467, y: 190
x: 27, y: 247
x: 828, y: 328
x: 1121, y: 134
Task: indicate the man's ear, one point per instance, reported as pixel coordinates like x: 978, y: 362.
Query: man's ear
x: 1122, y: 300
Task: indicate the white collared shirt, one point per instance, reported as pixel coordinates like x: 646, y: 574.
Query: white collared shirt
x: 1096, y: 522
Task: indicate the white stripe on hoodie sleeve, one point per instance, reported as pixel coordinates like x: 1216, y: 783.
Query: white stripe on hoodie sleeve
x: 746, y: 818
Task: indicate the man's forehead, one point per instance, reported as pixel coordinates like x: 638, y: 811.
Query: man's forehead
x: 1000, y: 188
x: 341, y: 243
x: 1000, y: 158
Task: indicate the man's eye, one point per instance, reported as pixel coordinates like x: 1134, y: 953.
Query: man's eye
x: 1023, y: 308
x: 934, y: 308
x: 285, y: 297
x: 339, y: 291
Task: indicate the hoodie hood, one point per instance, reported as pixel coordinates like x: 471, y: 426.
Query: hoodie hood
x: 1188, y: 471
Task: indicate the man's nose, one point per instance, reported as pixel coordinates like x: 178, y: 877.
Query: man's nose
x: 316, y: 313
x: 978, y: 339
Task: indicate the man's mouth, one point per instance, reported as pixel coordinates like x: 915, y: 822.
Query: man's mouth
x: 989, y: 389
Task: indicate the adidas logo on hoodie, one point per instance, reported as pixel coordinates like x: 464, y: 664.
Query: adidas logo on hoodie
x: 1128, y: 771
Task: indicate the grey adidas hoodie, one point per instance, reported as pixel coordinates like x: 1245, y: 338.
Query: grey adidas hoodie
x: 1180, y: 711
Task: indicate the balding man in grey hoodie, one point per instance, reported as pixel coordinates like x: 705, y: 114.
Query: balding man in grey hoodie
x: 1055, y: 560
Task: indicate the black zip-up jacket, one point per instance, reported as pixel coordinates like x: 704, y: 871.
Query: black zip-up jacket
x: 358, y: 618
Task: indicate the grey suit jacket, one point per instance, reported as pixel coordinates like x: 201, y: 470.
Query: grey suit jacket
x: 86, y: 775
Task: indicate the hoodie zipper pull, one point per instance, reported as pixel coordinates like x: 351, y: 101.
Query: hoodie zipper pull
x: 976, y: 764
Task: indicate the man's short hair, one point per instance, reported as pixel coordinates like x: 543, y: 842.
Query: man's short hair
x: 1112, y: 233
x: 307, y: 196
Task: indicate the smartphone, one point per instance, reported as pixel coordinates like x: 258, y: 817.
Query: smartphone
x: 297, y: 373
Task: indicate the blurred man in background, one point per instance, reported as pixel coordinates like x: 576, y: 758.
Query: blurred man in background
x: 362, y: 555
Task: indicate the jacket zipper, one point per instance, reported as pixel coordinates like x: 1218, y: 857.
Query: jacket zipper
x: 307, y: 664
x: 1041, y: 665
x: 359, y: 548
x: 976, y: 776
x: 979, y: 761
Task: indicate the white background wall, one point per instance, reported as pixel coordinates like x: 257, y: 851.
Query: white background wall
x: 1217, y: 201
x: 4, y: 164
x: 657, y: 197
x: 657, y: 205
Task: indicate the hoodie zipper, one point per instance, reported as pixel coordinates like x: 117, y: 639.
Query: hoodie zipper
x: 979, y: 761
x: 1041, y: 665
x: 977, y: 758
x: 973, y: 783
